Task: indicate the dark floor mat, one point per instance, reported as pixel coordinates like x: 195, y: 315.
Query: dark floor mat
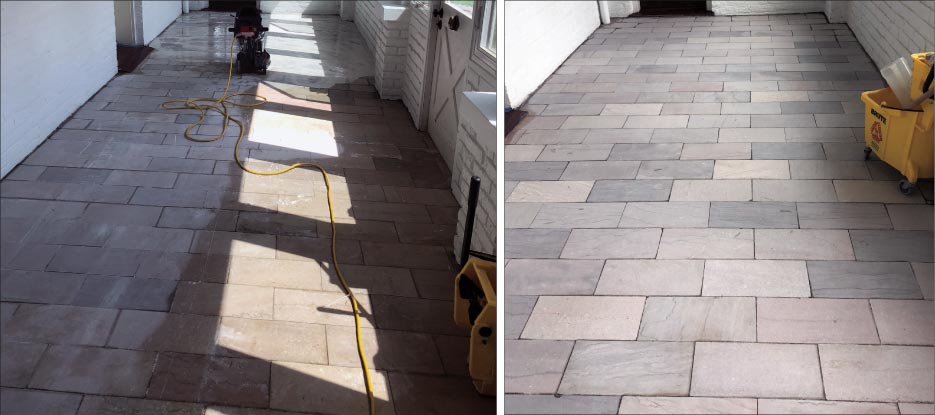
x: 512, y: 120
x: 129, y: 57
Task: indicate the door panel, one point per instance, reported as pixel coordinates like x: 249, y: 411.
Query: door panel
x: 452, y: 50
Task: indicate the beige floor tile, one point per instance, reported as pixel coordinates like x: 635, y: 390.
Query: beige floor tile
x: 756, y: 370
x: 905, y: 321
x: 628, y: 368
x: 711, y: 190
x: 686, y: 405
x: 706, y: 244
x: 563, y: 191
x: 751, y: 169
x: 790, y: 406
x: 872, y: 191
x: 325, y: 389
x: 878, y: 373
x: 651, y: 277
x: 814, y: 320
x: 698, y: 319
x: 759, y: 278
x: 584, y: 318
x: 319, y: 307
x: 925, y: 274
x: 537, y: 365
x: 803, y: 244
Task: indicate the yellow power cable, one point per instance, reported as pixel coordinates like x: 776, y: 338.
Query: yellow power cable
x: 220, y: 106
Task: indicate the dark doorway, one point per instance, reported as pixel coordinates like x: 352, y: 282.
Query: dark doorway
x: 668, y: 8
x: 229, y: 5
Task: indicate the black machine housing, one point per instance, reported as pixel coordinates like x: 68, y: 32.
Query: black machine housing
x: 250, y: 33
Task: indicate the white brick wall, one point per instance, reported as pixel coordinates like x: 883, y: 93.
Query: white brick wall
x: 890, y: 29
x: 737, y: 8
x: 388, y: 39
x: 476, y: 155
x: 47, y: 72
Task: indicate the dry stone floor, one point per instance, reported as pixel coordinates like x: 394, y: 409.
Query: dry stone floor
x: 143, y: 273
x: 692, y: 228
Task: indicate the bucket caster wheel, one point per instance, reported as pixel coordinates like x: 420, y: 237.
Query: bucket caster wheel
x: 906, y: 188
x: 867, y: 153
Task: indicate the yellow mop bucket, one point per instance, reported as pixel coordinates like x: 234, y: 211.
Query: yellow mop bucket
x: 475, y: 306
x: 900, y: 137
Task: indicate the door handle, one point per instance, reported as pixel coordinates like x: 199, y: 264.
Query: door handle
x: 454, y: 23
x: 439, y: 13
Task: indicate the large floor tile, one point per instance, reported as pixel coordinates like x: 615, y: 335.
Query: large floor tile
x: 756, y: 370
x: 814, y: 320
x: 611, y: 243
x: 686, y: 405
x: 94, y: 370
x: 803, y: 244
x: 878, y: 373
x: 858, y: 279
x: 536, y: 366
x: 651, y: 277
x: 585, y: 318
x: 759, y: 278
x: 628, y: 368
x: 552, y: 276
x: 564, y: 404
x: 706, y: 244
x: 791, y: 406
x: 905, y: 321
x: 699, y: 319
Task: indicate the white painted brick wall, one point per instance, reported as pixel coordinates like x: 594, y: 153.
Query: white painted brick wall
x: 46, y: 72
x: 890, y: 29
x: 476, y: 154
x: 389, y: 42
x: 738, y: 8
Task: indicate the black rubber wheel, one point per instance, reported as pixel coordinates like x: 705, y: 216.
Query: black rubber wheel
x: 906, y: 188
x: 867, y: 153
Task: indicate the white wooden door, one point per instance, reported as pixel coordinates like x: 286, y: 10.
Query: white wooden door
x: 452, y: 50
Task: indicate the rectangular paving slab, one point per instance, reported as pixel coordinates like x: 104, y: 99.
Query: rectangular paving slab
x: 756, y: 370
x: 552, y: 276
x: 651, y: 277
x: 878, y: 373
x: 628, y: 368
x: 698, y: 319
x: 814, y: 320
x: 584, y: 318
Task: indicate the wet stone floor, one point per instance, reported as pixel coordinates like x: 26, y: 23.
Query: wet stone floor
x: 692, y: 228
x: 145, y: 273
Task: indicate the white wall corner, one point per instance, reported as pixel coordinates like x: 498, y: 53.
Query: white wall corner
x: 836, y: 10
x: 620, y: 8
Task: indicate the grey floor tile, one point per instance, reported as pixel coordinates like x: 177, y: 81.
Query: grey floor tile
x: 788, y: 151
x: 575, y: 152
x: 517, y: 310
x: 537, y: 367
x: 790, y: 406
x: 534, y: 243
x: 630, y: 190
x: 911, y: 217
x: 811, y: 107
x: 646, y: 152
x: 565, y: 404
x: 651, y: 277
x: 794, y: 191
x: 611, y: 243
x: 601, y: 170
x: 858, y: 279
x: 753, y: 215
x: 914, y: 246
x: 925, y: 274
x: 724, y: 151
x: 628, y: 368
x: 552, y: 276
x: 677, y: 169
x: 530, y: 170
x: 843, y: 216
x: 751, y: 169
x: 578, y: 215
x: 699, y: 319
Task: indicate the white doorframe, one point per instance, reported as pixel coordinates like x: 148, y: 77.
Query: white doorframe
x: 129, y: 13
x: 428, y: 69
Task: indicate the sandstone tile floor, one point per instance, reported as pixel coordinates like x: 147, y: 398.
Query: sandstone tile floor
x: 143, y: 273
x: 692, y: 228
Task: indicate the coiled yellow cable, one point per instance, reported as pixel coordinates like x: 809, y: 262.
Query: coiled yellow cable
x: 220, y: 105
